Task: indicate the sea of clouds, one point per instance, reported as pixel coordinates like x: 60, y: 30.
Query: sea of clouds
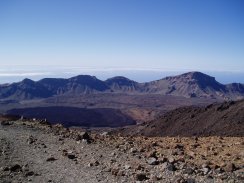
x: 15, y: 73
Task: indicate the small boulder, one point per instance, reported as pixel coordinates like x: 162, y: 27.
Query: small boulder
x: 30, y: 173
x: 164, y: 166
x: 178, y: 179
x: 230, y: 167
x: 188, y: 171
x: 31, y: 139
x: 179, y: 146
x: 171, y: 167
x: 141, y: 177
x: 94, y: 163
x: 51, y: 159
x: 171, y: 160
x: 6, y: 123
x: 152, y: 161
x: 151, y: 154
x: 104, y: 134
x: 15, y: 168
x: 133, y: 150
x: 5, y: 169
x: 71, y: 156
x: 127, y: 167
x: 115, y: 171
x: 205, y: 170
x: 85, y: 135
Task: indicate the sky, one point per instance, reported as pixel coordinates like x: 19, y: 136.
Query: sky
x: 123, y: 35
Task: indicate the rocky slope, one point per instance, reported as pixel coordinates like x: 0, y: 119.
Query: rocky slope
x: 225, y: 119
x: 192, y: 84
x: 34, y: 151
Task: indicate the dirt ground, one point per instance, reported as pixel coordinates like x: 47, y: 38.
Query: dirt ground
x: 36, y: 152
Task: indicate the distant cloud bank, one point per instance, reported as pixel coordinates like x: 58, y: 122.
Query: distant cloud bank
x: 16, y: 73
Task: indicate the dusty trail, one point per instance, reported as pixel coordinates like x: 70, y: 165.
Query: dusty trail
x: 16, y: 148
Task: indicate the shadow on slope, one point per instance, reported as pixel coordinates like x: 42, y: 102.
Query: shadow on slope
x: 72, y: 116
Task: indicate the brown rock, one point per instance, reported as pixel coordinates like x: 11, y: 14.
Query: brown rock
x: 121, y: 173
x: 171, y: 160
x: 115, y: 171
x: 178, y: 179
x: 230, y: 167
x: 152, y: 154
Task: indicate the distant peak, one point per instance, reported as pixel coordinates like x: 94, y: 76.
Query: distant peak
x: 26, y: 80
x: 193, y: 75
x: 118, y: 78
x: 83, y: 77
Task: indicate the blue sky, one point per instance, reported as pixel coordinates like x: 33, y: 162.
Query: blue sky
x: 172, y: 35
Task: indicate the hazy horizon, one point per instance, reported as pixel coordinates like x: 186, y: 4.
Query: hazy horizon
x: 17, y: 73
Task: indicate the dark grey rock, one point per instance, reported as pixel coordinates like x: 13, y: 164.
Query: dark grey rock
x: 190, y: 180
x: 15, y: 168
x: 30, y: 173
x: 141, y: 177
x: 51, y: 159
x: 84, y: 135
x: 171, y: 167
x: 71, y: 156
x: 6, y: 123
x: 188, y: 171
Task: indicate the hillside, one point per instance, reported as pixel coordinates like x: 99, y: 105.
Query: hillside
x: 226, y: 119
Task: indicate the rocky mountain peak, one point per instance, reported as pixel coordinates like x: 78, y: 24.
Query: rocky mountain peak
x: 83, y: 78
x: 120, y: 80
x: 27, y: 81
x: 196, y: 76
x: 200, y: 77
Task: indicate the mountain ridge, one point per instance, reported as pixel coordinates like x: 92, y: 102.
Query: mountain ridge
x: 189, y: 85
